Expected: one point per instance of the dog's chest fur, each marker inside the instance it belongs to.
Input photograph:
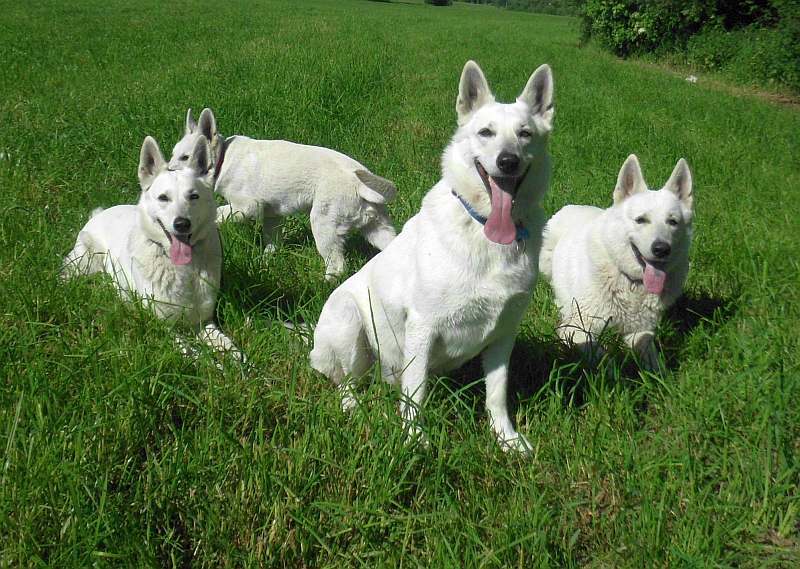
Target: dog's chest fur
(624, 303)
(473, 290)
(186, 292)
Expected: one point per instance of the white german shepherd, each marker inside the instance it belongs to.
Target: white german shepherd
(621, 267)
(165, 249)
(271, 179)
(456, 281)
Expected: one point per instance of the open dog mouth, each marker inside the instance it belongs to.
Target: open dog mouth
(180, 247)
(499, 226)
(654, 275)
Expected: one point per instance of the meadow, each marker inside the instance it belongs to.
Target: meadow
(117, 451)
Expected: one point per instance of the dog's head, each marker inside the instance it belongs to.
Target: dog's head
(177, 206)
(498, 145)
(657, 223)
(206, 127)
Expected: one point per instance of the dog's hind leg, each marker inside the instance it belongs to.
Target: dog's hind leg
(583, 340)
(329, 237)
(341, 350)
(83, 259)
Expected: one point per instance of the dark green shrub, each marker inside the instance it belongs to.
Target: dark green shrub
(439, 2)
(753, 55)
(758, 40)
(635, 26)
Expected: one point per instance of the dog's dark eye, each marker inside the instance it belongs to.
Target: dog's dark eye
(485, 132)
(525, 133)
(194, 196)
(163, 198)
(641, 219)
(184, 157)
(672, 222)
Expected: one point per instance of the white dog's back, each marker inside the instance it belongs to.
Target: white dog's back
(285, 176)
(568, 220)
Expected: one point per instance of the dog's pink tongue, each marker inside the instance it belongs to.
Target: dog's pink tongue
(499, 226)
(180, 253)
(653, 279)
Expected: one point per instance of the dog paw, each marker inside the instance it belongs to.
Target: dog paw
(417, 437)
(514, 442)
(269, 249)
(349, 403)
(649, 361)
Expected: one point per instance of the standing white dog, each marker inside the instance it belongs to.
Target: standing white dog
(624, 266)
(457, 280)
(271, 179)
(165, 249)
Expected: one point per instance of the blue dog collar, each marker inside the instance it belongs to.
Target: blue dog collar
(522, 232)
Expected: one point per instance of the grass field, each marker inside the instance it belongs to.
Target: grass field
(116, 451)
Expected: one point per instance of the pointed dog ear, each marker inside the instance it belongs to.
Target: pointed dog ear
(200, 161)
(190, 124)
(207, 125)
(151, 162)
(473, 91)
(538, 95)
(680, 183)
(630, 180)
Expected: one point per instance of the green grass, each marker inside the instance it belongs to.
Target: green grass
(117, 451)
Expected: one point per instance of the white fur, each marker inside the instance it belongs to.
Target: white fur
(271, 179)
(594, 272)
(441, 293)
(127, 242)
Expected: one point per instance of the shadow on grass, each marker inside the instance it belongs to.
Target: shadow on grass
(688, 313)
(283, 285)
(548, 364)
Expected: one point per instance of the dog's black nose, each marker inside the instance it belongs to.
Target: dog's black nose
(508, 163)
(661, 249)
(182, 225)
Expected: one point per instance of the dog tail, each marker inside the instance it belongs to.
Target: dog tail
(375, 189)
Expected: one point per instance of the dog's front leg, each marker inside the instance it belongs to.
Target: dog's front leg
(495, 364)
(419, 340)
(218, 341)
(270, 229)
(229, 213)
(643, 344)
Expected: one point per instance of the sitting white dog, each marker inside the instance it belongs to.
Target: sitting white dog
(166, 249)
(456, 281)
(271, 179)
(622, 267)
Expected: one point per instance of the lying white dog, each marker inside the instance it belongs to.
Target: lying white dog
(457, 280)
(165, 249)
(624, 266)
(270, 179)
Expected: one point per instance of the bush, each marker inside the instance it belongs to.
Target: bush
(761, 38)
(439, 2)
(752, 55)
